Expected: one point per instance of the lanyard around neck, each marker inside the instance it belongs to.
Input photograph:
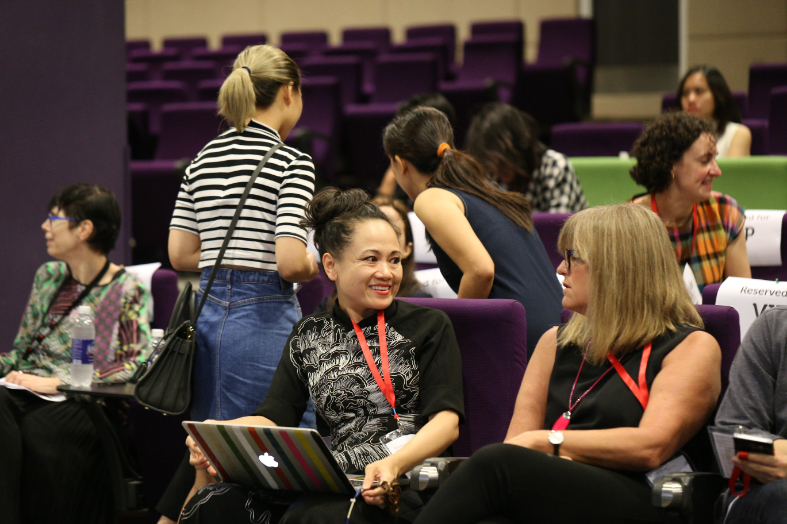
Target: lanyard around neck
(694, 221)
(384, 381)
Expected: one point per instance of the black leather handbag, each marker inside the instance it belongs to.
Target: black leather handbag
(165, 382)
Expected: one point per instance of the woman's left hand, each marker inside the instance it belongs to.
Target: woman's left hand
(381, 470)
(42, 385)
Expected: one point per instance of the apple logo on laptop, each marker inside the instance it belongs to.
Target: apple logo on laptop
(268, 460)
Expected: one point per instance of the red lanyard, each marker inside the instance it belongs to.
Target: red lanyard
(641, 391)
(736, 474)
(384, 381)
(694, 221)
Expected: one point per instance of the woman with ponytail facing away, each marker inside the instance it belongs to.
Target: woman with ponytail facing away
(482, 237)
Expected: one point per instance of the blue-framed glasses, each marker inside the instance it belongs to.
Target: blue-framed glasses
(55, 217)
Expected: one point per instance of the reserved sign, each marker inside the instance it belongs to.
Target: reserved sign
(434, 283)
(763, 230)
(751, 297)
(422, 251)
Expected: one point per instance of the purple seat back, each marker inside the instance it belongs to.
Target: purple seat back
(774, 272)
(777, 121)
(296, 51)
(154, 189)
(186, 45)
(511, 28)
(548, 226)
(400, 76)
(155, 94)
(548, 93)
(312, 293)
(669, 102)
(190, 73)
(244, 41)
(164, 290)
(133, 45)
(436, 46)
(490, 56)
(222, 58)
(346, 69)
(467, 97)
(379, 36)
(154, 59)
(186, 128)
(566, 39)
(492, 338)
(595, 138)
(367, 52)
(318, 130)
(759, 135)
(208, 90)
(447, 32)
(137, 72)
(763, 78)
(363, 131)
(723, 324)
(316, 41)
(709, 294)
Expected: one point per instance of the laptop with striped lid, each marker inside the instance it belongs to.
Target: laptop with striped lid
(292, 459)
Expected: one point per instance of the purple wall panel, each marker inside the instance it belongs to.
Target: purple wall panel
(62, 101)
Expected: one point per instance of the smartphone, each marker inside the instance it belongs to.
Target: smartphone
(752, 443)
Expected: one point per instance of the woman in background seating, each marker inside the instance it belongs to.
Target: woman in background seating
(482, 236)
(618, 390)
(703, 92)
(505, 141)
(52, 465)
(676, 162)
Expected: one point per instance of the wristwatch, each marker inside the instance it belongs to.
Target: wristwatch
(556, 439)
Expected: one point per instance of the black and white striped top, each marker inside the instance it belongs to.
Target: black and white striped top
(214, 183)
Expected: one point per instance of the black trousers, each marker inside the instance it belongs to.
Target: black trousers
(522, 485)
(52, 465)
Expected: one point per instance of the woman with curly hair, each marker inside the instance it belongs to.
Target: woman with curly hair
(676, 162)
(703, 92)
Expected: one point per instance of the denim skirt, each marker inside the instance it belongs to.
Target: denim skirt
(241, 334)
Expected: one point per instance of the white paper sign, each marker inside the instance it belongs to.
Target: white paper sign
(422, 251)
(144, 273)
(434, 283)
(57, 397)
(751, 297)
(763, 231)
(691, 285)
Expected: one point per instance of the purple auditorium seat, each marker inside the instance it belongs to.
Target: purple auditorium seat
(186, 128)
(777, 121)
(208, 90)
(346, 69)
(316, 41)
(763, 78)
(138, 128)
(400, 76)
(759, 135)
(379, 36)
(190, 73)
(362, 134)
(154, 59)
(669, 102)
(550, 94)
(244, 41)
(709, 293)
(186, 46)
(318, 130)
(445, 31)
(595, 138)
(492, 338)
(512, 28)
(467, 97)
(137, 72)
(548, 226)
(490, 56)
(312, 293)
(164, 290)
(436, 46)
(565, 41)
(723, 323)
(133, 45)
(222, 58)
(296, 51)
(154, 189)
(366, 52)
(155, 94)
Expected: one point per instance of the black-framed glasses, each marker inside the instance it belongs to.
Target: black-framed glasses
(570, 253)
(55, 217)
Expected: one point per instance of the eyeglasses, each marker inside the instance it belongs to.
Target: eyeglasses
(570, 253)
(55, 217)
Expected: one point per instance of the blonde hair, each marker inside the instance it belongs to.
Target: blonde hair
(635, 288)
(244, 91)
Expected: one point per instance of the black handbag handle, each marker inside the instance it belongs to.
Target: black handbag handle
(231, 230)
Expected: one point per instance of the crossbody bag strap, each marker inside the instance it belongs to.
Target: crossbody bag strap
(232, 229)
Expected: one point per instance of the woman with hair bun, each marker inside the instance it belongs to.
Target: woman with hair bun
(482, 236)
(704, 93)
(253, 306)
(327, 358)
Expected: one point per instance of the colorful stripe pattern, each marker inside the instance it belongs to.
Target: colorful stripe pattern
(303, 463)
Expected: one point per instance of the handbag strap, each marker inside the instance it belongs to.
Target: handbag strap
(232, 229)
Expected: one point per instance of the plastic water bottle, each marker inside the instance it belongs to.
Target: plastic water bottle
(83, 336)
(155, 339)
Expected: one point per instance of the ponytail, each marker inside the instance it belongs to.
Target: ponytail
(418, 134)
(257, 75)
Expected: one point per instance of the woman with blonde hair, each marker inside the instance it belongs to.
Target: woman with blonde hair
(252, 305)
(618, 390)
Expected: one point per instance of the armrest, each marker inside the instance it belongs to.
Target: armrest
(690, 496)
(433, 472)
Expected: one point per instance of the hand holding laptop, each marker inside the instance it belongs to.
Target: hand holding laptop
(197, 459)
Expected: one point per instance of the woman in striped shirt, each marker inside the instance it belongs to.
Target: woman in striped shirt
(252, 305)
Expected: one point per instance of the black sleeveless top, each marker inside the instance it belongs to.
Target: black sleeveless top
(523, 271)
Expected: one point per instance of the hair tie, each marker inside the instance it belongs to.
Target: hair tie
(442, 148)
(247, 69)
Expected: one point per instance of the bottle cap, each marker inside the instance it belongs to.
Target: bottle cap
(85, 310)
(157, 333)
